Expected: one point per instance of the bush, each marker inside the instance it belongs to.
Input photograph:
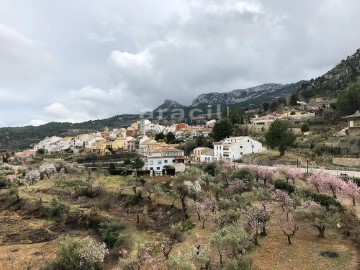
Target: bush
(179, 230)
(4, 183)
(244, 263)
(323, 199)
(211, 168)
(78, 254)
(280, 184)
(305, 127)
(134, 200)
(87, 190)
(110, 231)
(58, 209)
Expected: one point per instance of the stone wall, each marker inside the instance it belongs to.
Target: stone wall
(347, 162)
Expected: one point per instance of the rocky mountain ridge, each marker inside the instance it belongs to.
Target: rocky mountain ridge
(338, 79)
(252, 95)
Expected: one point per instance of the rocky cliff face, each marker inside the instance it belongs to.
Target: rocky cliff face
(253, 95)
(346, 73)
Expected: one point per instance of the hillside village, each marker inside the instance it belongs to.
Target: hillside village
(139, 138)
(275, 185)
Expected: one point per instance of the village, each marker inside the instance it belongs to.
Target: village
(157, 155)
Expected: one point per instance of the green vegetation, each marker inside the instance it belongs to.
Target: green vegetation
(283, 185)
(349, 101)
(280, 136)
(222, 129)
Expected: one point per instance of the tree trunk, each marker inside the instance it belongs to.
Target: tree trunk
(203, 224)
(198, 214)
(333, 190)
(183, 204)
(221, 259)
(289, 239)
(282, 150)
(263, 231)
(321, 230)
(255, 240)
(354, 201)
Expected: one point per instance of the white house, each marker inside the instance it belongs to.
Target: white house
(207, 155)
(233, 148)
(49, 144)
(157, 159)
(142, 124)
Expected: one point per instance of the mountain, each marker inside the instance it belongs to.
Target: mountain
(245, 97)
(16, 138)
(338, 79)
(329, 85)
(169, 105)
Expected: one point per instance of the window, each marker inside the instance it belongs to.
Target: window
(151, 168)
(241, 146)
(158, 168)
(248, 140)
(165, 161)
(159, 161)
(174, 160)
(151, 162)
(241, 153)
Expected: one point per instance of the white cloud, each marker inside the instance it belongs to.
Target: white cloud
(35, 122)
(135, 54)
(22, 59)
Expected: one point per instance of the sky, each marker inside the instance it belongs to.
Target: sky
(86, 59)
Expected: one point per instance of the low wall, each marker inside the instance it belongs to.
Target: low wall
(347, 162)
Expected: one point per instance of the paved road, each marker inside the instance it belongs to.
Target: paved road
(352, 174)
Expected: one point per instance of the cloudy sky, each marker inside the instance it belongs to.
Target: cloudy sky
(86, 59)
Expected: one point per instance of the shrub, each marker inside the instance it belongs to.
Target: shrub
(110, 231)
(179, 230)
(78, 254)
(211, 168)
(4, 183)
(280, 184)
(58, 208)
(323, 199)
(246, 175)
(244, 263)
(134, 200)
(88, 191)
(305, 127)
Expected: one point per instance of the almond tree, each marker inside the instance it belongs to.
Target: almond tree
(282, 198)
(288, 225)
(143, 258)
(290, 173)
(265, 173)
(238, 186)
(333, 182)
(166, 247)
(257, 218)
(32, 176)
(294, 174)
(317, 180)
(352, 190)
(204, 209)
(47, 169)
